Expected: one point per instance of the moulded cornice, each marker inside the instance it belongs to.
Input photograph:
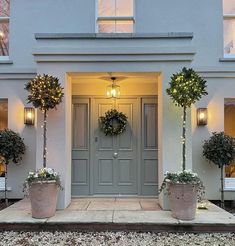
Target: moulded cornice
(168, 35)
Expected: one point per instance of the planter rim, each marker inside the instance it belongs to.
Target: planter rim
(170, 182)
(42, 182)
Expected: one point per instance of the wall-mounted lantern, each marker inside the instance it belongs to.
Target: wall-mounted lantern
(29, 115)
(202, 116)
(113, 90)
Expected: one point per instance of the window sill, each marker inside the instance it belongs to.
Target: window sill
(5, 60)
(229, 184)
(227, 59)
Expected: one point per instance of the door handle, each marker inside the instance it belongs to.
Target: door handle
(115, 155)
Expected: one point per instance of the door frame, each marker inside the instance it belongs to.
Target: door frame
(91, 100)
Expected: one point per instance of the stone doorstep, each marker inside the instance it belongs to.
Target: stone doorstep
(18, 217)
(97, 227)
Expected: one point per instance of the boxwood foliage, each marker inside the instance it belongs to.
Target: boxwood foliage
(219, 149)
(45, 92)
(12, 146)
(186, 88)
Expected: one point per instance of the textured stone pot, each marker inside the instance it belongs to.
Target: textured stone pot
(183, 201)
(43, 198)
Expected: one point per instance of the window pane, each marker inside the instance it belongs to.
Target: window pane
(229, 6)
(229, 128)
(124, 7)
(229, 36)
(3, 114)
(4, 39)
(124, 26)
(106, 7)
(4, 8)
(106, 26)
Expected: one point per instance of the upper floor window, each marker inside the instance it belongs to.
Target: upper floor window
(4, 27)
(229, 26)
(115, 16)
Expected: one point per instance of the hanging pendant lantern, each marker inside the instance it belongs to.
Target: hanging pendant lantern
(113, 90)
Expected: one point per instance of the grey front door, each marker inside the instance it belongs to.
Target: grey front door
(120, 165)
(115, 163)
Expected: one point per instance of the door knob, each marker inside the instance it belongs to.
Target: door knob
(115, 154)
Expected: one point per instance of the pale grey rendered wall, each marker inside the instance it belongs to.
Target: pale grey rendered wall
(203, 18)
(13, 90)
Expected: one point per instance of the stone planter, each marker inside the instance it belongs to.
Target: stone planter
(183, 201)
(43, 198)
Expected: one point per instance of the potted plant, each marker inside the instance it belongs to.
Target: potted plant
(219, 149)
(45, 93)
(186, 87)
(12, 148)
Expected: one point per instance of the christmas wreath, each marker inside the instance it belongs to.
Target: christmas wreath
(113, 123)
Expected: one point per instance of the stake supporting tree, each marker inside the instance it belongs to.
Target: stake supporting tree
(45, 93)
(186, 88)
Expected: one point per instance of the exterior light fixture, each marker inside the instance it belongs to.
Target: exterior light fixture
(113, 90)
(202, 116)
(29, 115)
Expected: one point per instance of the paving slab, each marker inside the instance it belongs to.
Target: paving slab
(211, 218)
(144, 217)
(136, 199)
(18, 216)
(117, 205)
(67, 216)
(105, 199)
(150, 206)
(21, 205)
(78, 205)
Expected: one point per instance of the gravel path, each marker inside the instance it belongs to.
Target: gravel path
(114, 238)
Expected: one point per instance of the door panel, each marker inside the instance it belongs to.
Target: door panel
(149, 177)
(80, 148)
(119, 150)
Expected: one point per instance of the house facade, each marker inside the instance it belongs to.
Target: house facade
(139, 44)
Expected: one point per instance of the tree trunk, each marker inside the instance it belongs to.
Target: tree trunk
(222, 186)
(184, 140)
(45, 139)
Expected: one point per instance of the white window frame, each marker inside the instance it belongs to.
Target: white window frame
(228, 17)
(4, 19)
(113, 18)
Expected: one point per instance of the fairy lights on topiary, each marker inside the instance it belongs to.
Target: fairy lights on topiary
(186, 88)
(45, 93)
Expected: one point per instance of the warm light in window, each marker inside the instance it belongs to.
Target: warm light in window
(1, 35)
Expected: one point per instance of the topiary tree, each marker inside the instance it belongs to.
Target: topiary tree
(45, 93)
(12, 148)
(219, 149)
(186, 88)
